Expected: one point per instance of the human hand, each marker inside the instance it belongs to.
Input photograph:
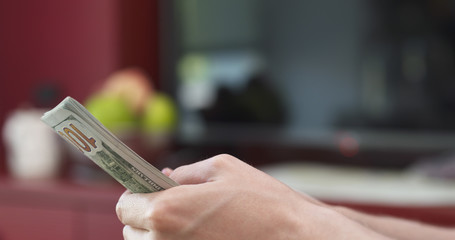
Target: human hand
(224, 198)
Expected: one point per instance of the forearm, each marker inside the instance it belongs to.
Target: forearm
(343, 227)
(398, 228)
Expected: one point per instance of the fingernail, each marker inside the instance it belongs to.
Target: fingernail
(166, 171)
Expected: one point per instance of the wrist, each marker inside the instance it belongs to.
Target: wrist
(353, 215)
(331, 222)
(347, 212)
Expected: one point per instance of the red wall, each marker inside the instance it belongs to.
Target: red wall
(73, 44)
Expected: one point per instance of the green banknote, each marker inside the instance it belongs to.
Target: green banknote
(82, 130)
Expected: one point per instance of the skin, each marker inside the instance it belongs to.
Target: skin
(398, 228)
(224, 198)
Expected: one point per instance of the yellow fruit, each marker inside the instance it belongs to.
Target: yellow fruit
(160, 114)
(113, 112)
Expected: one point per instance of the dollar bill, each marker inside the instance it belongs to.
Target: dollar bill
(72, 121)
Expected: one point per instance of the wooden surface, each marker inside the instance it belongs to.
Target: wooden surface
(58, 210)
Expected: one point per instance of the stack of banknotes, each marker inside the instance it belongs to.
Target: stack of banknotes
(72, 121)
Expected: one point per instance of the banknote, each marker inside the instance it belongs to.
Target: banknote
(73, 122)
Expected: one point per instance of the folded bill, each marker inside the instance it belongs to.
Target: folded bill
(79, 127)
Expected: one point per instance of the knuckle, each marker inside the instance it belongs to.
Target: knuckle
(126, 230)
(118, 210)
(222, 161)
(159, 216)
(179, 170)
(225, 156)
(120, 207)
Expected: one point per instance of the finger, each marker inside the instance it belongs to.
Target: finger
(167, 171)
(132, 209)
(137, 233)
(202, 171)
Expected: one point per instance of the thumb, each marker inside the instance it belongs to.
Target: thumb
(203, 171)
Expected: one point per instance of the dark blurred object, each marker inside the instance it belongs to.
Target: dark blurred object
(408, 79)
(257, 103)
(46, 95)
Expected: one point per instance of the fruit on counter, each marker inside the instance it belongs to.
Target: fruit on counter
(160, 114)
(127, 102)
(131, 84)
(112, 111)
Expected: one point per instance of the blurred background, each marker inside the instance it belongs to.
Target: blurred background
(352, 101)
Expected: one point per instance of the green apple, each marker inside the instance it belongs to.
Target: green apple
(160, 114)
(112, 111)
